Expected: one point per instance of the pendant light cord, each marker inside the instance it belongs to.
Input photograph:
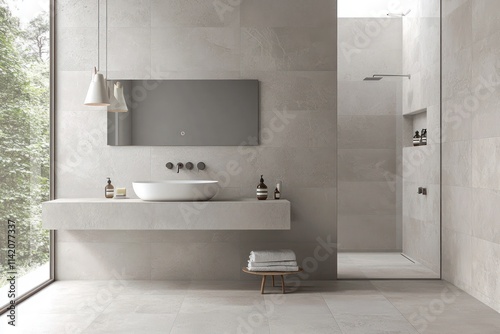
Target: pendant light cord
(106, 49)
(98, 34)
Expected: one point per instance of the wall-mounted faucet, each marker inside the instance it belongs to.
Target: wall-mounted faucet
(180, 165)
(189, 166)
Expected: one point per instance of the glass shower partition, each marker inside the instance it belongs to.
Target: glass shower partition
(388, 181)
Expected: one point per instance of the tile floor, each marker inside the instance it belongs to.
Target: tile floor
(348, 307)
(376, 265)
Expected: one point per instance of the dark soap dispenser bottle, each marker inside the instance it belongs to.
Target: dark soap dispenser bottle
(109, 190)
(262, 189)
(423, 137)
(277, 194)
(277, 191)
(416, 139)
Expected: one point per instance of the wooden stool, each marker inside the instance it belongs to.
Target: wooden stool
(264, 275)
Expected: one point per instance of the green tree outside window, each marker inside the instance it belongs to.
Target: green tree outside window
(24, 136)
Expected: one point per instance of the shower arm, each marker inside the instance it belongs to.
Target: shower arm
(392, 75)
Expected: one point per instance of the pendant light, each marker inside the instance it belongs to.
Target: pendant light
(97, 94)
(117, 98)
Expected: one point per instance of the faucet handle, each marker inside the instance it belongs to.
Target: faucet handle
(189, 165)
(180, 166)
(201, 166)
(169, 165)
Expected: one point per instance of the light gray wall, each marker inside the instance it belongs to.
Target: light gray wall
(289, 45)
(421, 165)
(368, 145)
(471, 148)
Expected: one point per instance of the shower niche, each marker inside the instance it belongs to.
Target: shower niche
(418, 124)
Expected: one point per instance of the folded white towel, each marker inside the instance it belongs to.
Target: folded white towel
(276, 268)
(272, 263)
(272, 255)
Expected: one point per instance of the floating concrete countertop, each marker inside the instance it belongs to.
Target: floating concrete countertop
(135, 214)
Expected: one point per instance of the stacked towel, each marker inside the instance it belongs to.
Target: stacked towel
(273, 260)
(272, 255)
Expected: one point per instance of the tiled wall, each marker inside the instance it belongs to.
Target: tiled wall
(289, 45)
(421, 165)
(368, 148)
(471, 148)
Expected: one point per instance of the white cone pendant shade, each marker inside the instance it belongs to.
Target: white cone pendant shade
(117, 99)
(97, 95)
(112, 100)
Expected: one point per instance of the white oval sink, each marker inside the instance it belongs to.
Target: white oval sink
(176, 190)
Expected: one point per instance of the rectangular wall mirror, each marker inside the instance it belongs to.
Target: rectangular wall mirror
(186, 113)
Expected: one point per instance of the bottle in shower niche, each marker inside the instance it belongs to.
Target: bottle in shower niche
(262, 189)
(423, 137)
(109, 190)
(416, 139)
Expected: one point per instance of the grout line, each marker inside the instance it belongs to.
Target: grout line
(179, 311)
(333, 316)
(407, 320)
(97, 316)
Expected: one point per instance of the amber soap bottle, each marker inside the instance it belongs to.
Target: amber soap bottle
(109, 190)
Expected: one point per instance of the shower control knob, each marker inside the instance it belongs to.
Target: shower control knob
(422, 191)
(169, 165)
(201, 166)
(189, 165)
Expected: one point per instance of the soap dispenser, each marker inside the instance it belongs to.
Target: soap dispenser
(109, 190)
(262, 189)
(416, 139)
(277, 191)
(423, 137)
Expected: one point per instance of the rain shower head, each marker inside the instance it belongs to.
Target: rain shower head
(377, 77)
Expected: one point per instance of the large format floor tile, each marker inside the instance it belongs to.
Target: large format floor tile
(220, 307)
(360, 305)
(217, 322)
(374, 324)
(137, 323)
(308, 323)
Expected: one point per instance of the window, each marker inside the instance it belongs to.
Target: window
(25, 137)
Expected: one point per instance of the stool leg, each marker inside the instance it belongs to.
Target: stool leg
(263, 283)
(282, 284)
(273, 280)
